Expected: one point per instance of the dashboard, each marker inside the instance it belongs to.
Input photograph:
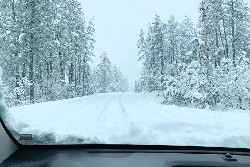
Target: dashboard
(120, 158)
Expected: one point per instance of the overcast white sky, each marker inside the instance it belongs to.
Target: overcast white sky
(118, 23)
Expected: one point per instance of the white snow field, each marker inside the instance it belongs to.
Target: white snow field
(129, 118)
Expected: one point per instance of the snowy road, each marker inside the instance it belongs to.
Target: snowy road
(129, 118)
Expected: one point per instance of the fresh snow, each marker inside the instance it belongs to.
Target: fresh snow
(129, 118)
(189, 53)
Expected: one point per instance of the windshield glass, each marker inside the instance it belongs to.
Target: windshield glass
(144, 72)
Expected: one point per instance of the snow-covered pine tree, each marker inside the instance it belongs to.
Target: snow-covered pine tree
(51, 48)
(152, 53)
(203, 67)
(103, 75)
(108, 78)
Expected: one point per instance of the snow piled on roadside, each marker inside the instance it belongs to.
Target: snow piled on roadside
(129, 118)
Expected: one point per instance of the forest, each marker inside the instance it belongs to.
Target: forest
(190, 77)
(204, 65)
(46, 48)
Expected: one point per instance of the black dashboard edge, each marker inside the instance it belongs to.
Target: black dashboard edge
(9, 133)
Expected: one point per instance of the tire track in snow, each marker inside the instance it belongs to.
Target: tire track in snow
(123, 110)
(103, 113)
(130, 123)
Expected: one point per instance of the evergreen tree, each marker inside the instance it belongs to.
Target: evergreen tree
(108, 78)
(51, 49)
(204, 67)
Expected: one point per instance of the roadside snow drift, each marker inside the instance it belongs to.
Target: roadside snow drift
(129, 118)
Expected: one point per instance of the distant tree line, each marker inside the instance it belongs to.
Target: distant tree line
(205, 65)
(108, 78)
(46, 47)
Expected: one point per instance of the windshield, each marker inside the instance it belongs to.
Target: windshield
(143, 72)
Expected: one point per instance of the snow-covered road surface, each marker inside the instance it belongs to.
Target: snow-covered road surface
(129, 118)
